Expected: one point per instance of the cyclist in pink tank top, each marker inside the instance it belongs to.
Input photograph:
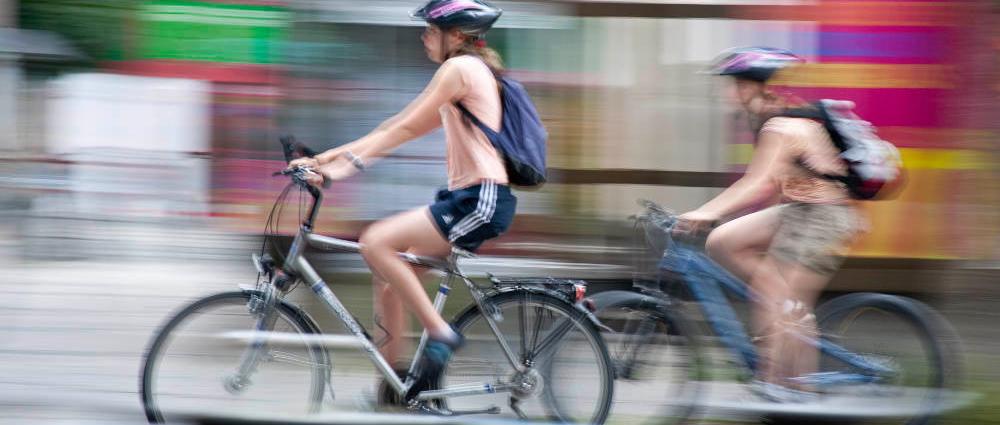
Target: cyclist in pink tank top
(478, 204)
(789, 251)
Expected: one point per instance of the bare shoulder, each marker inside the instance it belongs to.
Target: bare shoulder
(451, 75)
(785, 125)
(469, 65)
(464, 63)
(791, 129)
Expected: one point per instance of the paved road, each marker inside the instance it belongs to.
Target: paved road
(73, 334)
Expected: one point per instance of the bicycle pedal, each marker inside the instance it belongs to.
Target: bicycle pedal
(426, 409)
(492, 410)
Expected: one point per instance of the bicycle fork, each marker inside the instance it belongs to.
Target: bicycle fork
(263, 307)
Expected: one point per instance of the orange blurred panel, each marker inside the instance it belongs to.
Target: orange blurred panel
(866, 75)
(918, 223)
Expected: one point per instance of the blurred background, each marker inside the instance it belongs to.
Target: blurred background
(138, 138)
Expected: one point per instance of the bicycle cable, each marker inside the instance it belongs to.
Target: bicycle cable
(271, 225)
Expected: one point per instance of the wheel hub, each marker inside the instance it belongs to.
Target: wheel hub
(527, 384)
(235, 384)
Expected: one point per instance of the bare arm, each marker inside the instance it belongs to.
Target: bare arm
(418, 118)
(756, 185)
(334, 153)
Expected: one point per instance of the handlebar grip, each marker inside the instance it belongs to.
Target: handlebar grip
(290, 147)
(287, 147)
(305, 150)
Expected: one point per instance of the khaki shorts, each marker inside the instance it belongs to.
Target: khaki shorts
(814, 235)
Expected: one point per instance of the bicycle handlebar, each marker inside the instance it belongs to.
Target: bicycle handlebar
(290, 148)
(656, 214)
(665, 220)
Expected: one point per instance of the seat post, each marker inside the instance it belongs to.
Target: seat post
(456, 253)
(453, 258)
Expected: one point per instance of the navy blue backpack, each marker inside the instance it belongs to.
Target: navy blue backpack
(522, 136)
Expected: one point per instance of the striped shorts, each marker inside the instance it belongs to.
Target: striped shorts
(469, 216)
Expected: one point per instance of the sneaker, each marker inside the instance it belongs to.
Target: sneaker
(435, 356)
(781, 394)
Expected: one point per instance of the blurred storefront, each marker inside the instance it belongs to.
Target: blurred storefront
(616, 82)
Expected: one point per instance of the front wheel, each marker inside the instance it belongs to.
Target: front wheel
(657, 358)
(900, 359)
(210, 359)
(568, 375)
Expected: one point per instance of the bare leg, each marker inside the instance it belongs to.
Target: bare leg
(741, 246)
(389, 313)
(819, 232)
(411, 231)
(768, 318)
(802, 358)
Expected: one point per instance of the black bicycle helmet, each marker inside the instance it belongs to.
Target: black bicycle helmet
(472, 17)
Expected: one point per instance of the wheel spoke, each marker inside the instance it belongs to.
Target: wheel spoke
(539, 313)
(523, 322)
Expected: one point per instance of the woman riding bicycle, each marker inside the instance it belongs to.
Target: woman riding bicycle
(787, 252)
(478, 204)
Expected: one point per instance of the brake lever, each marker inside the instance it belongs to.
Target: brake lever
(304, 170)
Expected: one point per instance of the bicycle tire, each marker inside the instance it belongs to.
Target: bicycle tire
(651, 345)
(935, 340)
(156, 383)
(580, 348)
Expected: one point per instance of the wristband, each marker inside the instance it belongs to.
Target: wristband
(355, 160)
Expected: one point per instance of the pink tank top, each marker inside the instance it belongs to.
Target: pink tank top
(806, 140)
(470, 156)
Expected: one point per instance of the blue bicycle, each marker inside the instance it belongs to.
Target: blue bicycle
(882, 355)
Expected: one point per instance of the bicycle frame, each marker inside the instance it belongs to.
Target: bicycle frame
(708, 283)
(297, 265)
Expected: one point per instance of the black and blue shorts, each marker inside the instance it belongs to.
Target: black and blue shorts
(469, 216)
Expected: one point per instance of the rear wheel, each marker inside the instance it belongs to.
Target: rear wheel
(911, 344)
(568, 375)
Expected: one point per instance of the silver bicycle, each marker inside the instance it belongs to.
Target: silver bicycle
(530, 344)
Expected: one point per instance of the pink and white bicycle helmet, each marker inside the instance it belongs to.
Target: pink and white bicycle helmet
(753, 63)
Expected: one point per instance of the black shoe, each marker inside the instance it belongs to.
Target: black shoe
(435, 356)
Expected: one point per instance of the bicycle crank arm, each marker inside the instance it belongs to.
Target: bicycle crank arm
(515, 405)
(492, 410)
(464, 390)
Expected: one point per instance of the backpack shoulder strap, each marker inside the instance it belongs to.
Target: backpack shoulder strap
(810, 112)
(489, 132)
(472, 117)
(814, 112)
(468, 114)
